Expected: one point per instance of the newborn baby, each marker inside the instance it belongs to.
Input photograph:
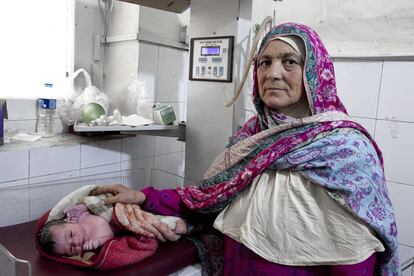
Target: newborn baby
(82, 231)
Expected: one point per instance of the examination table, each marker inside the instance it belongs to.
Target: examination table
(169, 257)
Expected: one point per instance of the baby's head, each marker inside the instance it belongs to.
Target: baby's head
(58, 237)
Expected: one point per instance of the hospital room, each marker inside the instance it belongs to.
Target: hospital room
(220, 137)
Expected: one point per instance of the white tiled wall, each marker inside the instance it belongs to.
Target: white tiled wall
(25, 119)
(397, 92)
(379, 95)
(33, 180)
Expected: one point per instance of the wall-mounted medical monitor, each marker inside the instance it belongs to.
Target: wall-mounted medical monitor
(211, 58)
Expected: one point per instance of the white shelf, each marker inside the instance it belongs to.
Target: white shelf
(153, 129)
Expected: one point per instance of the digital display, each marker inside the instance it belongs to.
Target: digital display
(210, 51)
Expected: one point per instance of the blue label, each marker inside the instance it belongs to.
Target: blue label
(47, 103)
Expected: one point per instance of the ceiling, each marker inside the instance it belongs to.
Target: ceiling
(177, 6)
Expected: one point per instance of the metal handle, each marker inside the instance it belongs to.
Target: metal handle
(20, 268)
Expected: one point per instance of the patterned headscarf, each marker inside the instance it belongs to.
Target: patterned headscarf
(327, 148)
(318, 75)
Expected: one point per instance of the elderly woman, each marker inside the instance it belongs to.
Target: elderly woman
(300, 189)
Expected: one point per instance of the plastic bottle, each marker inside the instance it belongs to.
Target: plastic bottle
(46, 120)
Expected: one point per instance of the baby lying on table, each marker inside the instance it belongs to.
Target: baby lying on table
(82, 231)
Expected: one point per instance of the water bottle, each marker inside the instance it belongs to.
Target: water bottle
(46, 120)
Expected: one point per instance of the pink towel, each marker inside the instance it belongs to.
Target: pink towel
(117, 252)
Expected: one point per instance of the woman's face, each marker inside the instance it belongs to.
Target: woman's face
(279, 74)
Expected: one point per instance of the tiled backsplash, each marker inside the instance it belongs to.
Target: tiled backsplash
(33, 180)
(379, 95)
(23, 115)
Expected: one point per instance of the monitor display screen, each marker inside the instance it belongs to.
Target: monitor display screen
(210, 51)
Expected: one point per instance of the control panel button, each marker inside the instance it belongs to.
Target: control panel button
(221, 71)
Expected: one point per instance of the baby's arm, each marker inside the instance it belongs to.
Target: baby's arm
(73, 213)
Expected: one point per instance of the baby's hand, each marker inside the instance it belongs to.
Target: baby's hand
(91, 245)
(73, 213)
(176, 224)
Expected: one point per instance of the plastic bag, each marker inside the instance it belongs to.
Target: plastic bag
(139, 100)
(91, 94)
(70, 111)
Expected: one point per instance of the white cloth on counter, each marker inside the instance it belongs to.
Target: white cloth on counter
(286, 219)
(135, 120)
(117, 120)
(14, 134)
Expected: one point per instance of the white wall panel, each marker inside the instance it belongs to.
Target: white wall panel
(98, 171)
(134, 179)
(406, 252)
(55, 178)
(137, 147)
(172, 75)
(397, 91)
(100, 153)
(21, 125)
(89, 22)
(396, 142)
(134, 167)
(162, 24)
(358, 85)
(148, 67)
(20, 109)
(14, 165)
(54, 160)
(102, 179)
(121, 63)
(353, 27)
(171, 163)
(14, 204)
(163, 180)
(166, 145)
(38, 204)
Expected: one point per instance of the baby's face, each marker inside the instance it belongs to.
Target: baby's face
(69, 239)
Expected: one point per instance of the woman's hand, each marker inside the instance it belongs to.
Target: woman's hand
(162, 231)
(143, 223)
(121, 194)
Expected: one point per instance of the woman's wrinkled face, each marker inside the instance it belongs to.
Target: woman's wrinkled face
(280, 76)
(69, 239)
